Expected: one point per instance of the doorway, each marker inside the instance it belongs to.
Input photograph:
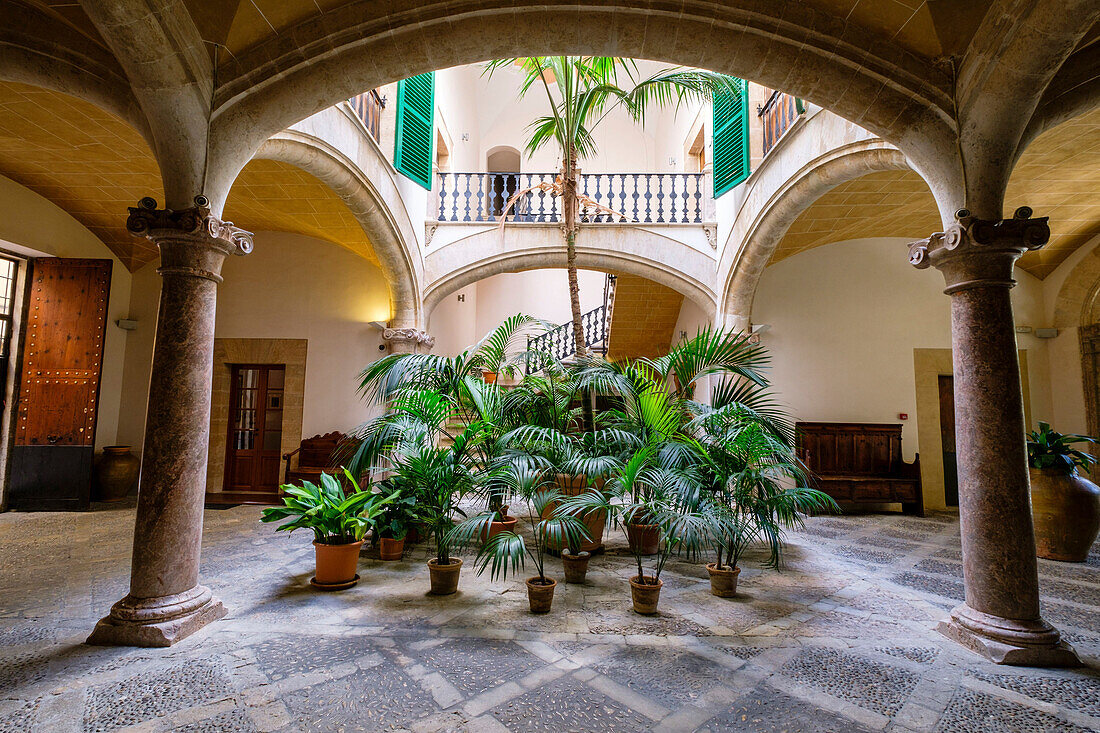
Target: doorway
(947, 440)
(502, 182)
(1090, 368)
(253, 456)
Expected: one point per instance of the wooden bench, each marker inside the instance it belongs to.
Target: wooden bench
(315, 457)
(860, 464)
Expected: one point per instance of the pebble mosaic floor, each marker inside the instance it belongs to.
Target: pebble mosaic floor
(841, 640)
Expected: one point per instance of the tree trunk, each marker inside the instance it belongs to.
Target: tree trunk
(569, 211)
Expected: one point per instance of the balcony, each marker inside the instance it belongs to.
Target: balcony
(368, 108)
(777, 115)
(635, 198)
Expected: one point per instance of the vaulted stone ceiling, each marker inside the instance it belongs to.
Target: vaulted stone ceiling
(1057, 176)
(93, 165)
(928, 28)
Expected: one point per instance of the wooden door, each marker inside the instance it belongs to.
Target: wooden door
(55, 415)
(253, 452)
(947, 440)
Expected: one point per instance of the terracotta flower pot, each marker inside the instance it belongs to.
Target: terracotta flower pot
(540, 595)
(444, 578)
(595, 521)
(645, 595)
(723, 581)
(336, 564)
(1066, 511)
(644, 539)
(115, 473)
(489, 377)
(508, 525)
(391, 549)
(576, 566)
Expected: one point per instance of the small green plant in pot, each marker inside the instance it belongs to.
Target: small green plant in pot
(393, 526)
(1065, 506)
(339, 520)
(509, 549)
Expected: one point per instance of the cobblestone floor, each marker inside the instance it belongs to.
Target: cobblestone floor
(842, 640)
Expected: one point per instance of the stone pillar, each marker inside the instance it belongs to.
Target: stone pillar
(1000, 618)
(166, 602)
(408, 340)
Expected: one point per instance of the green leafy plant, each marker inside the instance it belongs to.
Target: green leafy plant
(509, 549)
(336, 516)
(1047, 448)
(398, 516)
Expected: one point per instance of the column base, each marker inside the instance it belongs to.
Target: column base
(1009, 641)
(157, 622)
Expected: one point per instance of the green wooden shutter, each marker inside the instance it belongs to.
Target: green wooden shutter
(731, 138)
(412, 153)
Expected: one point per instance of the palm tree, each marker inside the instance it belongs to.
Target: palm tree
(580, 92)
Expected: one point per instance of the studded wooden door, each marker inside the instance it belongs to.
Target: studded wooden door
(55, 416)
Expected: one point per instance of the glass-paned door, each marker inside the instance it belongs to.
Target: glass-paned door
(253, 457)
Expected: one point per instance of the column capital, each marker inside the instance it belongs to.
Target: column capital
(980, 252)
(407, 340)
(193, 242)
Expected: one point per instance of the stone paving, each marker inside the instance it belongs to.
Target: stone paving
(841, 640)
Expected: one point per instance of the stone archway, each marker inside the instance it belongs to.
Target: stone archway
(764, 234)
(373, 202)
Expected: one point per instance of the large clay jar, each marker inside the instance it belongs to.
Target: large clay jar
(115, 473)
(1066, 511)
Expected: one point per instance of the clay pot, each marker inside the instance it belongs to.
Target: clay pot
(576, 566)
(645, 595)
(444, 578)
(495, 528)
(489, 377)
(390, 549)
(723, 582)
(644, 539)
(336, 564)
(1066, 511)
(115, 473)
(540, 595)
(595, 521)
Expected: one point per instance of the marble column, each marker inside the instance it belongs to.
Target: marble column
(1000, 618)
(407, 340)
(166, 602)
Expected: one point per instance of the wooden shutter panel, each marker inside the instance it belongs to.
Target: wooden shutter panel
(412, 153)
(731, 138)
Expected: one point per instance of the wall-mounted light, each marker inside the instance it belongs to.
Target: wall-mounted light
(127, 324)
(380, 325)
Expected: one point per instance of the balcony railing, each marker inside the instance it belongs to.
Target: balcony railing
(778, 114)
(368, 107)
(658, 198)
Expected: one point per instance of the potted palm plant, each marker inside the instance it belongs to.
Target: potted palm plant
(339, 520)
(1065, 506)
(509, 549)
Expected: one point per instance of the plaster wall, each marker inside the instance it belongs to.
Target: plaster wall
(845, 320)
(29, 221)
(540, 293)
(290, 287)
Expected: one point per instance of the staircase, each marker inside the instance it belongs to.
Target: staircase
(644, 320)
(596, 324)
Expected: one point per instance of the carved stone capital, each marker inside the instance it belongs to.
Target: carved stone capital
(980, 252)
(193, 242)
(407, 340)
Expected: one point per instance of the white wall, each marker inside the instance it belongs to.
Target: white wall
(29, 220)
(290, 287)
(539, 293)
(845, 319)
